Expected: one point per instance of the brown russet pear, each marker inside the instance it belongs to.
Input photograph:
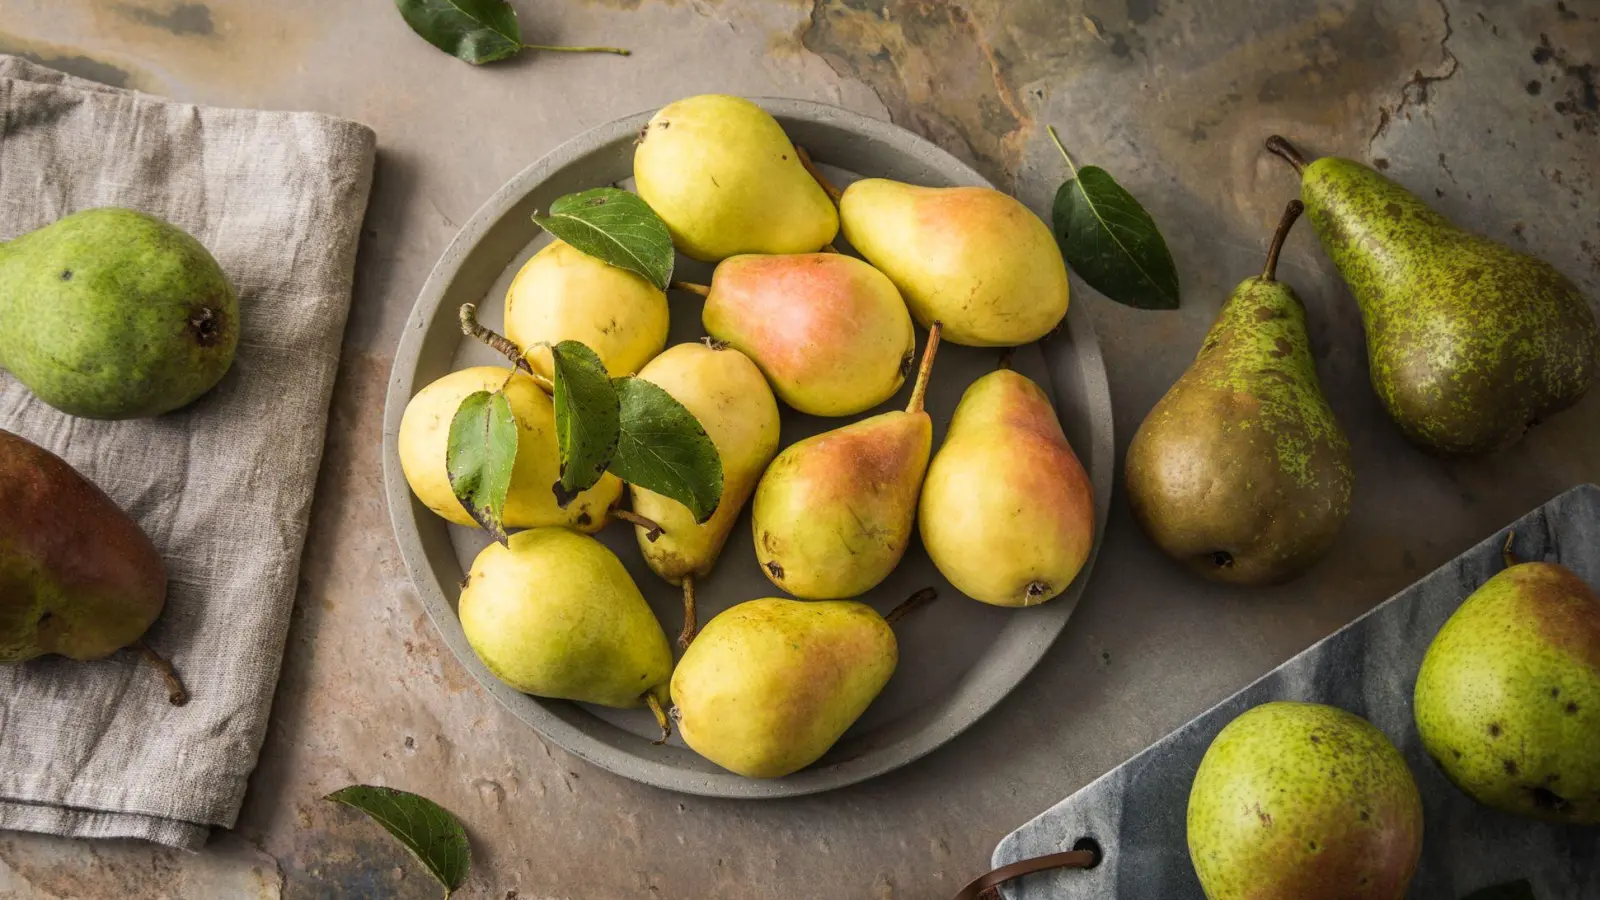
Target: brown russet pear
(771, 684)
(724, 390)
(973, 258)
(564, 294)
(833, 514)
(1469, 343)
(724, 177)
(1007, 512)
(1241, 472)
(830, 332)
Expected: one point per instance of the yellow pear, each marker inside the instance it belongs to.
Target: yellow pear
(1007, 512)
(554, 614)
(833, 514)
(564, 294)
(425, 440)
(722, 174)
(725, 391)
(829, 331)
(971, 257)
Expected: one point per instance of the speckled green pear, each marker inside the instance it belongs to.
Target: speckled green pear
(770, 685)
(1469, 343)
(555, 614)
(1508, 696)
(833, 514)
(1300, 801)
(113, 314)
(722, 174)
(1241, 472)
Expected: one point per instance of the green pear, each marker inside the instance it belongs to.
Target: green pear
(424, 444)
(724, 390)
(971, 257)
(722, 174)
(1469, 343)
(1241, 472)
(1007, 512)
(1300, 801)
(77, 576)
(564, 294)
(833, 514)
(555, 614)
(771, 684)
(829, 331)
(113, 314)
(1508, 696)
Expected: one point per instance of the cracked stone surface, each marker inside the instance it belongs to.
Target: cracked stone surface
(1487, 109)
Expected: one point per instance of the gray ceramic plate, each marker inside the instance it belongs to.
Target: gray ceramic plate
(958, 658)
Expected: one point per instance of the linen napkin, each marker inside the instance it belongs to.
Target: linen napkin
(223, 487)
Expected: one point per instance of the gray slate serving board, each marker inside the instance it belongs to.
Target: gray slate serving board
(1136, 811)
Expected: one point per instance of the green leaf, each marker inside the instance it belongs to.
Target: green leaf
(428, 830)
(1110, 241)
(615, 227)
(586, 418)
(481, 453)
(476, 31)
(664, 448)
(1513, 890)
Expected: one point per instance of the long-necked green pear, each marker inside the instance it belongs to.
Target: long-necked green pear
(1469, 343)
(1508, 696)
(564, 294)
(1007, 512)
(1241, 472)
(424, 443)
(724, 390)
(554, 613)
(770, 685)
(833, 514)
(830, 332)
(971, 257)
(1300, 801)
(724, 177)
(114, 314)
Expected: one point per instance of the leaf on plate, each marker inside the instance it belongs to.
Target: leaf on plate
(586, 418)
(1514, 890)
(480, 455)
(1111, 241)
(615, 227)
(664, 448)
(432, 834)
(475, 31)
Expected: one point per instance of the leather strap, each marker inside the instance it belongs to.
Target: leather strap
(1071, 859)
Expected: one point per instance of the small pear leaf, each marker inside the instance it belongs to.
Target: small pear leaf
(586, 418)
(474, 31)
(664, 448)
(615, 227)
(1111, 241)
(428, 830)
(481, 452)
(1513, 890)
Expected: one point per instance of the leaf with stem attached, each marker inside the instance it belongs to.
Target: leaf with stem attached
(1110, 240)
(663, 448)
(617, 228)
(479, 458)
(476, 31)
(586, 418)
(432, 834)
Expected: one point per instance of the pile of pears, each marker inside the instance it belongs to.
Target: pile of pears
(1004, 506)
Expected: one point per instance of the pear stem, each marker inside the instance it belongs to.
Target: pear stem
(829, 248)
(827, 186)
(1506, 553)
(620, 51)
(652, 531)
(691, 625)
(1056, 138)
(177, 694)
(911, 604)
(1269, 272)
(692, 288)
(1281, 147)
(500, 343)
(1005, 360)
(919, 392)
(661, 718)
